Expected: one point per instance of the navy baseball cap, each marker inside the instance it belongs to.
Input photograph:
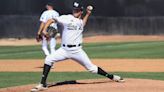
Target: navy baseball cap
(77, 6)
(50, 4)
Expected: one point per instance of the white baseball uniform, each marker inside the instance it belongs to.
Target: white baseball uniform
(71, 44)
(46, 15)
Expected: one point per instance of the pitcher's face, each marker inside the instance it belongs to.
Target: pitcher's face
(77, 13)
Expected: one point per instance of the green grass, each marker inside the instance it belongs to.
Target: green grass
(151, 50)
(8, 79)
(21, 52)
(127, 50)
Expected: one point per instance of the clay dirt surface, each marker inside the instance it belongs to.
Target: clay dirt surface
(96, 85)
(111, 65)
(99, 85)
(91, 39)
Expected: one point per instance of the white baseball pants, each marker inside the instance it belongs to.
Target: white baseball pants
(78, 55)
(45, 46)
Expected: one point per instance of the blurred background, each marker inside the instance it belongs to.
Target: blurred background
(20, 18)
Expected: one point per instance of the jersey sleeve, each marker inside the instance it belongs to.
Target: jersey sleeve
(81, 22)
(55, 15)
(43, 17)
(59, 19)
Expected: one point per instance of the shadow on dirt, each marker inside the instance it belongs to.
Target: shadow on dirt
(74, 82)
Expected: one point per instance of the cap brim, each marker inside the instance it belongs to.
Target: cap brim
(81, 9)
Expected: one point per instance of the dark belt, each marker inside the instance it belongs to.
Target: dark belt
(70, 46)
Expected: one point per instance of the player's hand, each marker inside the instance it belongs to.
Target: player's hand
(89, 9)
(39, 33)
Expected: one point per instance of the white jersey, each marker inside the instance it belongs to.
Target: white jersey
(72, 29)
(71, 36)
(49, 14)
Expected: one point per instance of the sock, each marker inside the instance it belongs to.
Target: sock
(46, 70)
(102, 72)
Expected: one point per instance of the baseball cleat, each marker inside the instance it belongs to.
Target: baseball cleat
(38, 88)
(118, 79)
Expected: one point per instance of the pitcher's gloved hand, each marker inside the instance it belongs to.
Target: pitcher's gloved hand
(52, 31)
(47, 37)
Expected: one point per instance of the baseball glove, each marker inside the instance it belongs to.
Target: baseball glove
(38, 38)
(52, 32)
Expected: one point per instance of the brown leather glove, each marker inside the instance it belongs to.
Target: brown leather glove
(38, 38)
(47, 37)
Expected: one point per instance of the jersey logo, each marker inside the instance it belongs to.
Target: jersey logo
(71, 20)
(72, 27)
(80, 28)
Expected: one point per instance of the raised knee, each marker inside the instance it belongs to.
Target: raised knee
(48, 60)
(93, 69)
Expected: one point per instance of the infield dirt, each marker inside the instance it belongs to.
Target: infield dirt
(99, 85)
(111, 65)
(92, 39)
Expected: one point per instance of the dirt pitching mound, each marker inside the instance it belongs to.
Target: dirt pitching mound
(101, 85)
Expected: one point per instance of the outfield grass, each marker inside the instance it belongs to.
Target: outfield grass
(8, 79)
(151, 50)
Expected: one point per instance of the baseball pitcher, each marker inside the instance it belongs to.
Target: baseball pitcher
(71, 45)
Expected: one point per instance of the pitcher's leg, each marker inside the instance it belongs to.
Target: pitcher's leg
(52, 45)
(45, 46)
(84, 60)
(59, 55)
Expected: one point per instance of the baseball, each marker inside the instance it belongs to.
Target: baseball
(90, 8)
